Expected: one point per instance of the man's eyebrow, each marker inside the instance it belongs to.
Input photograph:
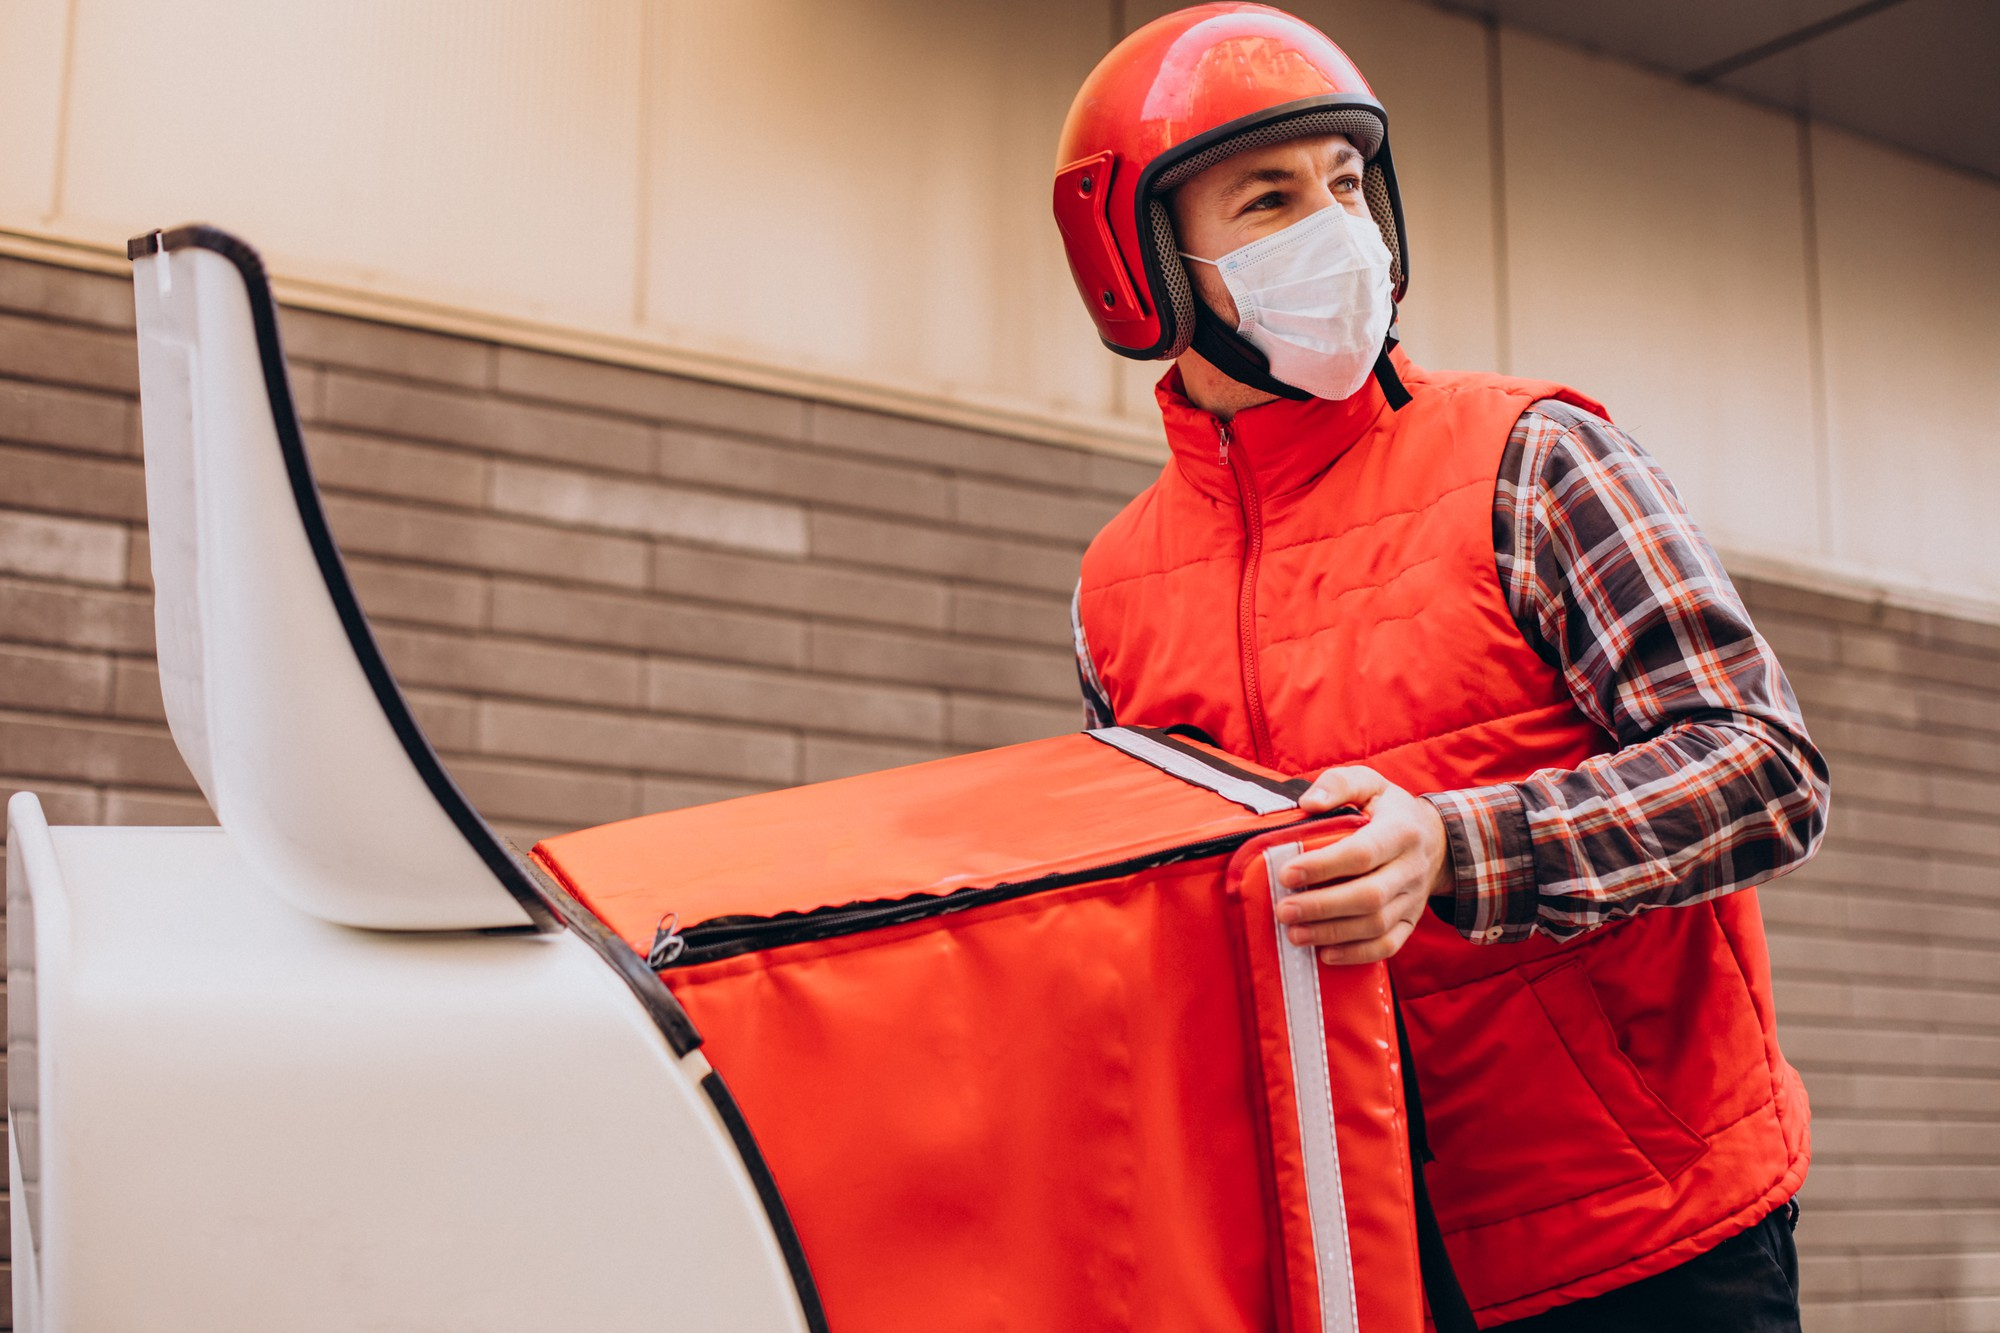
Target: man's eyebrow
(1259, 176)
(1283, 175)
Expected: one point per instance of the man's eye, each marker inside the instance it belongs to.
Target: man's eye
(1347, 184)
(1264, 202)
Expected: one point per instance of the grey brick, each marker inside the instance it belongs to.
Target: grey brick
(562, 495)
(76, 617)
(1842, 737)
(1905, 1182)
(1122, 477)
(449, 719)
(1034, 511)
(794, 585)
(68, 294)
(1867, 1092)
(139, 561)
(1848, 1045)
(1903, 1228)
(831, 757)
(1882, 960)
(400, 592)
(448, 417)
(546, 793)
(1845, 1139)
(485, 665)
(60, 682)
(936, 445)
(1039, 618)
(1798, 642)
(357, 344)
(884, 656)
(942, 551)
(135, 691)
(1870, 651)
(785, 698)
(636, 743)
(648, 394)
(1882, 915)
(62, 802)
(385, 528)
(656, 794)
(44, 546)
(612, 620)
(308, 391)
(1802, 998)
(34, 349)
(987, 722)
(72, 484)
(801, 473)
(91, 750)
(344, 461)
(1921, 833)
(67, 418)
(131, 805)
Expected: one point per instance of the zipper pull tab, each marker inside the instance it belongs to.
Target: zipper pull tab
(1222, 443)
(667, 942)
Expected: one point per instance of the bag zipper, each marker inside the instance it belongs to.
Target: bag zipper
(727, 936)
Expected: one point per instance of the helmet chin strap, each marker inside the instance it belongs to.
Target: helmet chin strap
(1232, 354)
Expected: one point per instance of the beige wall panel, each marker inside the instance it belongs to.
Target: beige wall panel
(1910, 289)
(31, 77)
(1657, 261)
(1429, 69)
(863, 189)
(476, 153)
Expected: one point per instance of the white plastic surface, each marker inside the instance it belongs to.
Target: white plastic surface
(263, 691)
(253, 1119)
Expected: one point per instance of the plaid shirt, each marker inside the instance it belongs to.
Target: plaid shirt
(1715, 785)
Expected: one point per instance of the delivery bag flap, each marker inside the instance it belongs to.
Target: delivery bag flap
(1024, 1045)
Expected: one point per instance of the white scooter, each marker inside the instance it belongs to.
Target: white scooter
(344, 1062)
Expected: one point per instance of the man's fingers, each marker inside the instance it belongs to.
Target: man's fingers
(1342, 786)
(1357, 854)
(1369, 951)
(1354, 898)
(1344, 930)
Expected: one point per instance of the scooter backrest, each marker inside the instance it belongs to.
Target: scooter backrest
(275, 690)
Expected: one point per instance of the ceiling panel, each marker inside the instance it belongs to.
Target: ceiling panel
(1919, 76)
(1913, 73)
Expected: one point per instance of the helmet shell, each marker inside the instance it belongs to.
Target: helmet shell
(1178, 95)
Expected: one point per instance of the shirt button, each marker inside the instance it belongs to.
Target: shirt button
(1491, 933)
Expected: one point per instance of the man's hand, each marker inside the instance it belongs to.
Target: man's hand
(1375, 883)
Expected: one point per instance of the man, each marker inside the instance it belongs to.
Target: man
(1478, 611)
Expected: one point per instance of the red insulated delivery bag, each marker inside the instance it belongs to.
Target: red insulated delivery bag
(1025, 1048)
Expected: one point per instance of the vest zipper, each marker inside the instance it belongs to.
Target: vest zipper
(1246, 597)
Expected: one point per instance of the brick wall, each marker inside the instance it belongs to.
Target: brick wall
(609, 591)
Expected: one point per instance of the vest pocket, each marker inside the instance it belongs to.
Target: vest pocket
(1585, 1031)
(1529, 1101)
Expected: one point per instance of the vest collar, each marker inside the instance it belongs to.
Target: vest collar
(1283, 444)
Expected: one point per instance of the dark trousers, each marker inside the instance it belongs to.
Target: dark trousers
(1747, 1284)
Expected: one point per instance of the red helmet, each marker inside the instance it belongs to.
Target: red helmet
(1172, 99)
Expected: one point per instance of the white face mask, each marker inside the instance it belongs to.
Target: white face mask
(1314, 299)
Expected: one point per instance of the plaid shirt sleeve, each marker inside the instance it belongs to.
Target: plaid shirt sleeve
(1715, 785)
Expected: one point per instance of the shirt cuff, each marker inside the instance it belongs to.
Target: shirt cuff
(1494, 898)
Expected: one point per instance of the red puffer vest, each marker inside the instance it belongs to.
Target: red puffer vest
(1314, 585)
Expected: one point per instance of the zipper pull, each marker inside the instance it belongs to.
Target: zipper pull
(1222, 443)
(667, 943)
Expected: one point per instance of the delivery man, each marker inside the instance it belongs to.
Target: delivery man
(1478, 610)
